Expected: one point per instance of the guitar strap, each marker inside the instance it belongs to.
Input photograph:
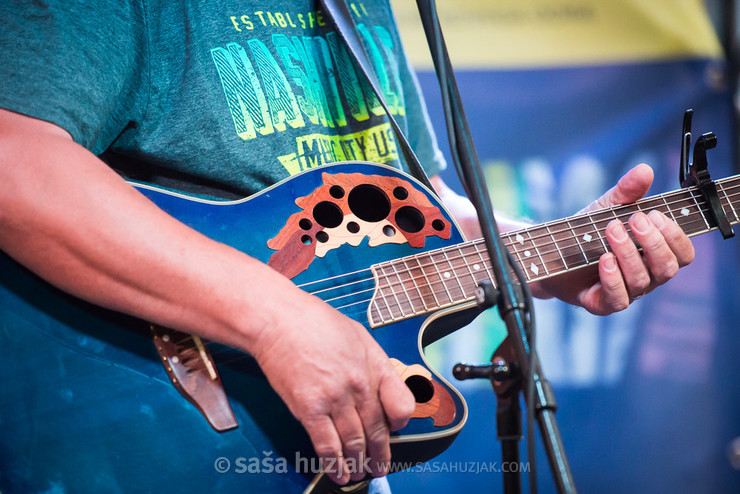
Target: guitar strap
(341, 16)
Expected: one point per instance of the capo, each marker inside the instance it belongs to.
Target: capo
(698, 174)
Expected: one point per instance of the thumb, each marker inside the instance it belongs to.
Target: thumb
(631, 187)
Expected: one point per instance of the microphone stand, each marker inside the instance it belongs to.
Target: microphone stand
(517, 366)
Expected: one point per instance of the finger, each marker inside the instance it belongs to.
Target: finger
(658, 255)
(676, 239)
(377, 434)
(631, 187)
(352, 434)
(397, 400)
(328, 447)
(634, 271)
(609, 294)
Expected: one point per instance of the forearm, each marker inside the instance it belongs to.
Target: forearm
(464, 212)
(66, 216)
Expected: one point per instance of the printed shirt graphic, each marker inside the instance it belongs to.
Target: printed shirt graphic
(222, 98)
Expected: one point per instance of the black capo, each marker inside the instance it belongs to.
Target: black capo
(698, 173)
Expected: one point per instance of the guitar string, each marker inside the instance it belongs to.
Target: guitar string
(414, 279)
(509, 241)
(570, 243)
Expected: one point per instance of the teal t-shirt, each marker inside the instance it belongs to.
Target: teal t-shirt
(218, 97)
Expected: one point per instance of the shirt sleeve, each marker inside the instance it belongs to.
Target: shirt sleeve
(80, 64)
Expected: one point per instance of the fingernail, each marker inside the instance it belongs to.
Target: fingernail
(618, 230)
(657, 218)
(640, 223)
(610, 263)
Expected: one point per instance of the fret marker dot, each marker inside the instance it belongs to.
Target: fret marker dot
(447, 274)
(534, 268)
(476, 267)
(527, 253)
(587, 237)
(519, 239)
(685, 212)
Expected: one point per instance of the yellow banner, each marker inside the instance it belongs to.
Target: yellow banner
(546, 33)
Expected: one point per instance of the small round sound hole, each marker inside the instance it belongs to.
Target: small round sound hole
(336, 192)
(328, 214)
(409, 219)
(421, 387)
(400, 193)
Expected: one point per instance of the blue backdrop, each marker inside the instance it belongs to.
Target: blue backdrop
(648, 397)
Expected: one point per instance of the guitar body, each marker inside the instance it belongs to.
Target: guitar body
(86, 403)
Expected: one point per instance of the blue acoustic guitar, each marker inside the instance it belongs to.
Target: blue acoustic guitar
(90, 396)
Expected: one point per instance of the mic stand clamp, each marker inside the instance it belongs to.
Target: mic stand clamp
(505, 377)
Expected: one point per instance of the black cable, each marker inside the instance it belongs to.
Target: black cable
(466, 162)
(530, 328)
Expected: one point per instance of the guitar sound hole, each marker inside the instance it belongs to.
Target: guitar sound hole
(336, 192)
(400, 193)
(410, 219)
(369, 203)
(328, 214)
(421, 387)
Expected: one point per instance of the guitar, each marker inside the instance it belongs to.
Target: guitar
(368, 239)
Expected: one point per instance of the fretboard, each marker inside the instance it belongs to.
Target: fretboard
(426, 282)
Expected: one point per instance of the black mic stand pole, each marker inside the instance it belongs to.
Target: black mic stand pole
(511, 308)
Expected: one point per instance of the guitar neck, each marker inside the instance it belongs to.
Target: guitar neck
(429, 281)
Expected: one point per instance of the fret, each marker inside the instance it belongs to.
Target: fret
(668, 208)
(588, 236)
(513, 240)
(476, 268)
(598, 233)
(377, 306)
(483, 261)
(395, 297)
(684, 203)
(698, 208)
(729, 202)
(441, 279)
(429, 283)
(529, 246)
(557, 247)
(467, 265)
(573, 233)
(454, 273)
(403, 287)
(412, 277)
(474, 271)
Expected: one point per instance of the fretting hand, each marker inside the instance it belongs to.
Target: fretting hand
(625, 274)
(622, 275)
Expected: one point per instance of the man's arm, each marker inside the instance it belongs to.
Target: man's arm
(68, 217)
(621, 275)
